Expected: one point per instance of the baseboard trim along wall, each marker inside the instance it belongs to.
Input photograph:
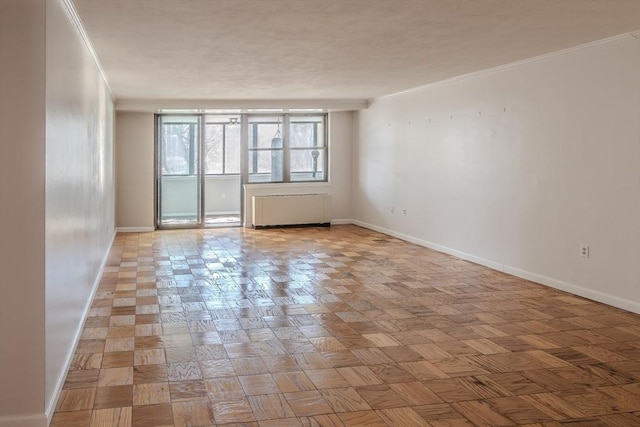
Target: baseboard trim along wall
(134, 229)
(341, 221)
(37, 420)
(629, 305)
(51, 407)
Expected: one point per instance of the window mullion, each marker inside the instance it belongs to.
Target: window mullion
(244, 147)
(286, 155)
(192, 154)
(224, 148)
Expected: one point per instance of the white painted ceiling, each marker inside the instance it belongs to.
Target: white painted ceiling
(328, 49)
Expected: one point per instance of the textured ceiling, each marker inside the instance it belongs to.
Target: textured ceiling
(328, 49)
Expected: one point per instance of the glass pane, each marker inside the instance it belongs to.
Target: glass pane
(213, 148)
(179, 197)
(307, 131)
(232, 149)
(176, 148)
(308, 165)
(265, 131)
(265, 166)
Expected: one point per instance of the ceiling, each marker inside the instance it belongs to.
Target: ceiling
(327, 49)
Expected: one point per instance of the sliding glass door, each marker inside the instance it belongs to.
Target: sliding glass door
(222, 178)
(198, 171)
(179, 171)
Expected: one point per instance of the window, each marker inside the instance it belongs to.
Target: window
(287, 148)
(221, 147)
(279, 147)
(178, 141)
(308, 148)
(266, 149)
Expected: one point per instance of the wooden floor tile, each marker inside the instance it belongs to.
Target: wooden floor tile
(327, 378)
(149, 357)
(232, 411)
(192, 413)
(82, 379)
(402, 417)
(112, 417)
(441, 413)
(362, 419)
(338, 326)
(289, 382)
(187, 390)
(150, 374)
(224, 388)
(216, 368)
(381, 396)
(346, 400)
(151, 393)
(554, 406)
(71, 419)
(76, 399)
(359, 376)
(481, 413)
(86, 361)
(270, 406)
(183, 371)
(258, 384)
(113, 397)
(518, 410)
(152, 415)
(307, 403)
(115, 376)
(118, 359)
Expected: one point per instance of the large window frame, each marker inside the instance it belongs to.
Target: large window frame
(283, 152)
(284, 157)
(318, 149)
(225, 147)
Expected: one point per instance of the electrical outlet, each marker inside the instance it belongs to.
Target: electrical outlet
(392, 210)
(584, 251)
(404, 212)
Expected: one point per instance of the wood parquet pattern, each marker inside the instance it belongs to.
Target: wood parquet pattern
(339, 326)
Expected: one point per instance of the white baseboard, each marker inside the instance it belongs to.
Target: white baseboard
(51, 406)
(431, 245)
(612, 300)
(625, 304)
(333, 222)
(31, 420)
(134, 229)
(341, 221)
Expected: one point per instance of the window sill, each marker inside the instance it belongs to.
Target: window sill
(274, 185)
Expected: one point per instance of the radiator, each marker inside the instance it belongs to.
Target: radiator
(297, 209)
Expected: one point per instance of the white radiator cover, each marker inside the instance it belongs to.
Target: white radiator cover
(295, 209)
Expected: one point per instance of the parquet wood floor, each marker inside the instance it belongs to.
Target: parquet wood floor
(339, 326)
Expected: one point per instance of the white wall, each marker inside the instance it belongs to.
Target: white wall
(57, 224)
(339, 185)
(135, 176)
(22, 212)
(516, 168)
(80, 188)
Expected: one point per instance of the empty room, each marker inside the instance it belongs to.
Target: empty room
(319, 213)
